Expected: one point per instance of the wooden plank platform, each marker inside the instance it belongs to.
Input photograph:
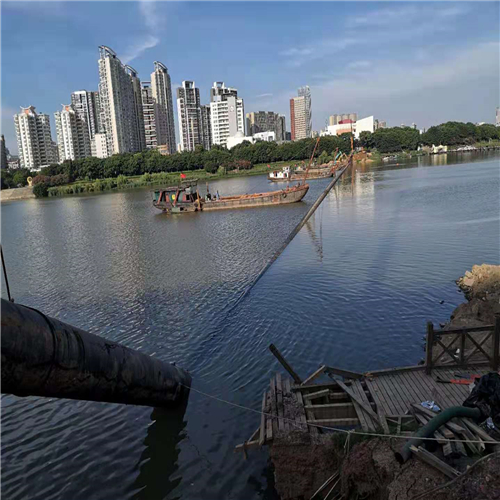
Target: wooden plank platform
(394, 391)
(372, 404)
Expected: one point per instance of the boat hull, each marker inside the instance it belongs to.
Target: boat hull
(282, 197)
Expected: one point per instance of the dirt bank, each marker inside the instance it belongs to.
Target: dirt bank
(371, 472)
(481, 286)
(16, 194)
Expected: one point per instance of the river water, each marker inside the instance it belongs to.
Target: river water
(353, 289)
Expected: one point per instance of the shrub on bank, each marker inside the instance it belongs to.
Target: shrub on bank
(41, 190)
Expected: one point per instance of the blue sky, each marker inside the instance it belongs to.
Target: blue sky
(403, 62)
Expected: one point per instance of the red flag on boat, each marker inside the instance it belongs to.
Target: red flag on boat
(183, 176)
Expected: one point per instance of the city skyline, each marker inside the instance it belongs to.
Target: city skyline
(417, 67)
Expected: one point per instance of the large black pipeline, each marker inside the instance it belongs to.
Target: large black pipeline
(42, 356)
(433, 425)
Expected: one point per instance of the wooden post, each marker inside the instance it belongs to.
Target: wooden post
(428, 353)
(462, 348)
(285, 364)
(495, 358)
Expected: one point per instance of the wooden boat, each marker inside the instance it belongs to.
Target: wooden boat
(185, 198)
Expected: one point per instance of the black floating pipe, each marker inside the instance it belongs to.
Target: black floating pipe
(42, 356)
(433, 425)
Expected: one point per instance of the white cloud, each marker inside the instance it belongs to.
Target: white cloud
(406, 15)
(261, 96)
(391, 88)
(359, 64)
(298, 56)
(154, 21)
(139, 48)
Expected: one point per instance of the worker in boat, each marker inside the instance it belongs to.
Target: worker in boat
(209, 196)
(218, 196)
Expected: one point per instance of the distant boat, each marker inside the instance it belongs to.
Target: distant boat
(186, 198)
(287, 174)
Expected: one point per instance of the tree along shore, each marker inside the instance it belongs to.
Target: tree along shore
(150, 167)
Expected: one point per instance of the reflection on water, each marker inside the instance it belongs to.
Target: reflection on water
(353, 289)
(158, 462)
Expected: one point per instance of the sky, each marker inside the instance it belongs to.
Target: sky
(403, 62)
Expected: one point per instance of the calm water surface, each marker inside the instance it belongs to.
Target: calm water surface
(353, 289)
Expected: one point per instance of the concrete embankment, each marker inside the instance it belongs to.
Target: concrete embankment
(16, 194)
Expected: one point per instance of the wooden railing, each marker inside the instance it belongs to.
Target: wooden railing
(480, 342)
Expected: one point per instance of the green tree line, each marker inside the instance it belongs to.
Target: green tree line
(385, 140)
(395, 139)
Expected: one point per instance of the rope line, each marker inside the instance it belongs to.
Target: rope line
(345, 431)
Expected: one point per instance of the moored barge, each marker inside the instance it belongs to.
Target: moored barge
(186, 198)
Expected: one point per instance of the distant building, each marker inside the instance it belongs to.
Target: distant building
(72, 132)
(364, 125)
(34, 140)
(288, 136)
(189, 116)
(264, 121)
(347, 126)
(336, 119)
(162, 93)
(206, 126)
(98, 146)
(120, 104)
(13, 162)
(380, 124)
(227, 113)
(87, 107)
(149, 115)
(268, 136)
(301, 114)
(497, 121)
(164, 150)
(138, 129)
(3, 153)
(238, 138)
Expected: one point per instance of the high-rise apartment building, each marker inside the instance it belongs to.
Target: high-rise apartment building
(34, 140)
(189, 116)
(227, 113)
(301, 114)
(497, 120)
(119, 104)
(149, 115)
(266, 121)
(138, 129)
(72, 132)
(162, 94)
(86, 105)
(206, 126)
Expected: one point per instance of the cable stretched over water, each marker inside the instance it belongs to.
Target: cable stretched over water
(229, 308)
(292, 235)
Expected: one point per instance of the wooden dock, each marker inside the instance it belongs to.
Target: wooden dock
(382, 401)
